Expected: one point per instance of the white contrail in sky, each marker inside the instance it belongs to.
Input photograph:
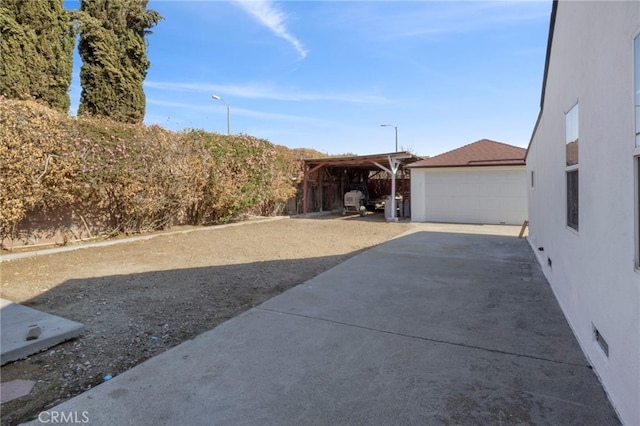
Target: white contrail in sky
(273, 18)
(257, 91)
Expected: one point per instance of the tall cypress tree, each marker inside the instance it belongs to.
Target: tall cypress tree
(114, 57)
(36, 51)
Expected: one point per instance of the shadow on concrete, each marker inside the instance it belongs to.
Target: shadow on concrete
(131, 318)
(427, 328)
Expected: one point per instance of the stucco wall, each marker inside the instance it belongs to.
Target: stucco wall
(488, 194)
(592, 271)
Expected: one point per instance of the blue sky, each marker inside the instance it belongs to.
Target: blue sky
(326, 74)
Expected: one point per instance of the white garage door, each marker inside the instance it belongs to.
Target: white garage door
(489, 195)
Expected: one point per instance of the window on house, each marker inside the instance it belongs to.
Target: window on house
(572, 199)
(571, 157)
(571, 139)
(636, 47)
(533, 179)
(637, 161)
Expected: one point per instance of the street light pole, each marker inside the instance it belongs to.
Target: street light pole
(218, 98)
(396, 129)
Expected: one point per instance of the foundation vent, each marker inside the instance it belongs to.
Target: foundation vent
(600, 341)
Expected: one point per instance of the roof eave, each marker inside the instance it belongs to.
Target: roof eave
(552, 24)
(440, 166)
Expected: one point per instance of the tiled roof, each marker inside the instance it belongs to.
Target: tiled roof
(480, 153)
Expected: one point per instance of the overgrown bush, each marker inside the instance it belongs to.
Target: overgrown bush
(36, 171)
(138, 177)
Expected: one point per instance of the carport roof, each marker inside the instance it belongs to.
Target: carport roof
(367, 162)
(484, 152)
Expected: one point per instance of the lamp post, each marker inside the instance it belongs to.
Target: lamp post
(396, 128)
(218, 98)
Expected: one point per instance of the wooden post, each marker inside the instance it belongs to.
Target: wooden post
(320, 191)
(307, 172)
(304, 189)
(524, 226)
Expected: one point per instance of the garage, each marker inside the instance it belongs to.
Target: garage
(483, 182)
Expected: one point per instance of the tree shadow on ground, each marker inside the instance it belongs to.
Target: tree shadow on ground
(131, 318)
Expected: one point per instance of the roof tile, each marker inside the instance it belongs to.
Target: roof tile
(484, 152)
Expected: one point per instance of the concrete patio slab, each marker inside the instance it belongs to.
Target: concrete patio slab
(16, 321)
(429, 328)
(474, 290)
(15, 389)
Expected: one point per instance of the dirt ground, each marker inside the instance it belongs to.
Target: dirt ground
(138, 299)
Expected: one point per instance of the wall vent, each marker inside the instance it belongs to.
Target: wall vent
(600, 340)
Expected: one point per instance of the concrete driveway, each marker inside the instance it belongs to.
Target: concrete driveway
(443, 325)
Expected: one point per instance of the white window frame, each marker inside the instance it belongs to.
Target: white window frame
(636, 85)
(636, 153)
(532, 179)
(569, 168)
(636, 174)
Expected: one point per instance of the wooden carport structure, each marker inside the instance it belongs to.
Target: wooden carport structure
(342, 173)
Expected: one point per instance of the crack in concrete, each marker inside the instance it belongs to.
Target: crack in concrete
(427, 339)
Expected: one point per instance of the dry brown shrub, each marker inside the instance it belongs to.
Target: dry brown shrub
(37, 170)
(138, 177)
